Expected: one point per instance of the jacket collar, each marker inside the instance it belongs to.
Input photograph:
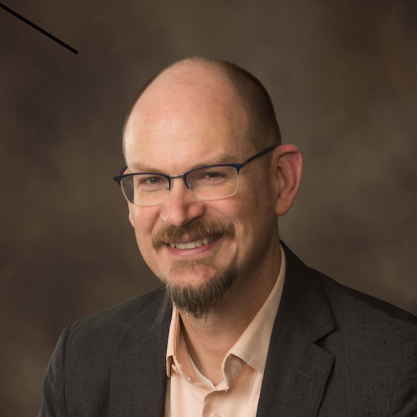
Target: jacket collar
(304, 306)
(297, 369)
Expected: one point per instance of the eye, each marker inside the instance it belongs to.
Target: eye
(152, 180)
(150, 183)
(210, 177)
(214, 175)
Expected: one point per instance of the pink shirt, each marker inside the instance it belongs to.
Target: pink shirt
(190, 394)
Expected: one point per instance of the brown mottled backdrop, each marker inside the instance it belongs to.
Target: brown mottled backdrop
(342, 75)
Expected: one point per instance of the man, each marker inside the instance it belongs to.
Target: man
(240, 327)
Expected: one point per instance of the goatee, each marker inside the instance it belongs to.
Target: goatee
(197, 301)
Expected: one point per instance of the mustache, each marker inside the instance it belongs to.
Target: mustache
(196, 230)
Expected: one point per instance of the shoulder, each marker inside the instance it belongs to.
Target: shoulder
(348, 307)
(116, 326)
(365, 308)
(78, 374)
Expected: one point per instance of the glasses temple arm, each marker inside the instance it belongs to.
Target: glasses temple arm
(122, 171)
(260, 154)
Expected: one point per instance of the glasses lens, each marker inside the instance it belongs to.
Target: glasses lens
(213, 183)
(145, 189)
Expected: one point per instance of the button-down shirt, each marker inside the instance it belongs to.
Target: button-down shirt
(190, 394)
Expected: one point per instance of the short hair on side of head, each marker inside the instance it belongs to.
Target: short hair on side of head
(263, 128)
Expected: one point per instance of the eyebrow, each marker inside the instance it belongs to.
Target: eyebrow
(138, 167)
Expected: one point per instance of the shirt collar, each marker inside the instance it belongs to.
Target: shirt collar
(173, 339)
(252, 346)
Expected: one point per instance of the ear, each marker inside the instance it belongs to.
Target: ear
(131, 217)
(287, 166)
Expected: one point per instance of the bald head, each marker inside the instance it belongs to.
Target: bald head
(201, 83)
(185, 88)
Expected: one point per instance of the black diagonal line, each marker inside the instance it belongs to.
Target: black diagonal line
(38, 28)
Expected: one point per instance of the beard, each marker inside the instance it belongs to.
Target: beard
(197, 301)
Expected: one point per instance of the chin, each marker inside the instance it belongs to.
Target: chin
(190, 275)
(198, 299)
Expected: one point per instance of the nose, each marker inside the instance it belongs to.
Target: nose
(181, 206)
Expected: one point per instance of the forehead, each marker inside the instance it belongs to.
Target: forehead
(180, 123)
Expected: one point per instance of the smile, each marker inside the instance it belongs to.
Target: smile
(195, 244)
(197, 247)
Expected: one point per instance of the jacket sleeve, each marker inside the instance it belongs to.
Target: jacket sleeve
(404, 396)
(53, 401)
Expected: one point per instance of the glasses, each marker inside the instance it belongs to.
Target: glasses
(212, 182)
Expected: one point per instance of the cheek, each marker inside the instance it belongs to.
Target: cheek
(255, 211)
(145, 219)
(241, 211)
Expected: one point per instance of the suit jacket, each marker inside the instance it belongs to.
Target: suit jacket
(333, 352)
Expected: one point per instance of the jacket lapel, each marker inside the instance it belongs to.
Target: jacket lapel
(297, 369)
(138, 376)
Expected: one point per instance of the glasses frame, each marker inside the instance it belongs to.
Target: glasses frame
(119, 177)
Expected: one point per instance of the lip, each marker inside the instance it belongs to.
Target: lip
(191, 252)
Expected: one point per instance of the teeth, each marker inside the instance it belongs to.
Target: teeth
(192, 245)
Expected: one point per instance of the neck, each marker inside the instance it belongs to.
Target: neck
(226, 323)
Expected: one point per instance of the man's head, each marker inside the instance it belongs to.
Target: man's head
(194, 114)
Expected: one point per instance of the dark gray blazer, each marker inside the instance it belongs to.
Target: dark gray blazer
(334, 352)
